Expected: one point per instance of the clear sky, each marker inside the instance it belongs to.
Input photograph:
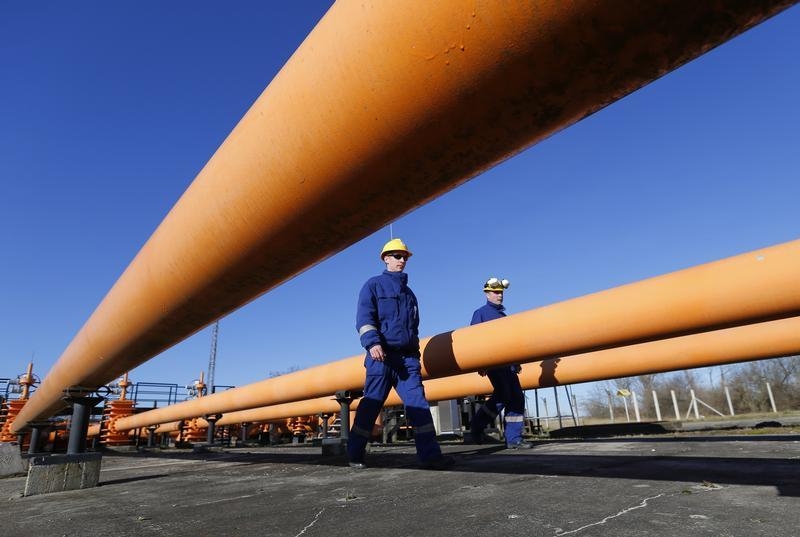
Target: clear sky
(109, 109)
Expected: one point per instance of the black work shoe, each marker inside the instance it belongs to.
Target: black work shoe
(472, 440)
(522, 444)
(441, 462)
(357, 465)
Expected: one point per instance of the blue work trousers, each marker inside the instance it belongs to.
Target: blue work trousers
(402, 373)
(507, 395)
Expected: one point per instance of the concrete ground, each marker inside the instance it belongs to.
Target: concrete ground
(714, 484)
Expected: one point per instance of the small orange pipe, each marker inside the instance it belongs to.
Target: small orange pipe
(27, 381)
(382, 108)
(124, 384)
(171, 427)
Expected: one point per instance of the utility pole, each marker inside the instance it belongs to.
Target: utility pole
(212, 359)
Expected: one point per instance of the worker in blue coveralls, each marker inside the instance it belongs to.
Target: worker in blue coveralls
(508, 394)
(387, 321)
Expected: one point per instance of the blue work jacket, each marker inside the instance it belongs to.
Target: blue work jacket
(490, 312)
(388, 314)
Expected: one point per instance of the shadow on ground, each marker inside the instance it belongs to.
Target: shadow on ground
(665, 459)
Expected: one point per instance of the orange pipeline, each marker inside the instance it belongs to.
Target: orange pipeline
(397, 104)
(736, 290)
(751, 342)
(758, 341)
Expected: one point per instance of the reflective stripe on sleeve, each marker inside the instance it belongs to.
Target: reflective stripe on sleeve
(513, 419)
(366, 328)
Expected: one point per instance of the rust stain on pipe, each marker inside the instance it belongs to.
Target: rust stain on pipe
(747, 288)
(410, 104)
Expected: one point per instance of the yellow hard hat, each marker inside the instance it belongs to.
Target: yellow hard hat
(395, 245)
(496, 284)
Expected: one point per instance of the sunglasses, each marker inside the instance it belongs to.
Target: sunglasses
(399, 256)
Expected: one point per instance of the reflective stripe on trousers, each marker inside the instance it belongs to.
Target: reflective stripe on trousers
(507, 394)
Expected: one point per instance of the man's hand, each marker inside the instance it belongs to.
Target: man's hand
(377, 353)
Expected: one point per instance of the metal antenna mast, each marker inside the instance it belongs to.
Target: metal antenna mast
(212, 359)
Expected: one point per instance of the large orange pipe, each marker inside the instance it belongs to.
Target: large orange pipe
(750, 342)
(384, 106)
(738, 290)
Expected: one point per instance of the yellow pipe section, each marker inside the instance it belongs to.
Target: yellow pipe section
(743, 289)
(385, 106)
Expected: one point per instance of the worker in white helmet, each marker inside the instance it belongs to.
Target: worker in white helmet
(508, 394)
(387, 321)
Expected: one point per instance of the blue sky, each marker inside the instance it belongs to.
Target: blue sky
(109, 109)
